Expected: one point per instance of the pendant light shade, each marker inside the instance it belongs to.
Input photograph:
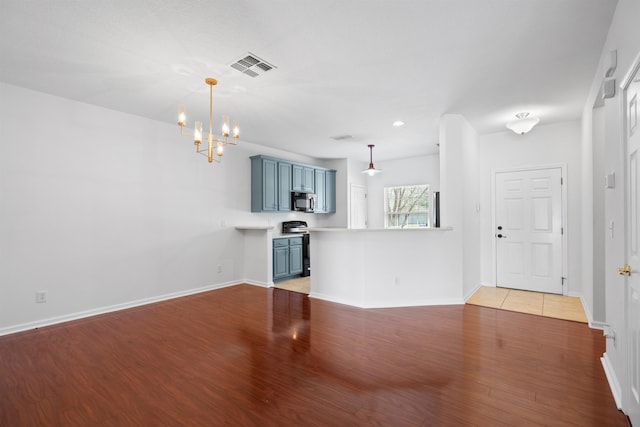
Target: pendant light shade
(371, 170)
(523, 123)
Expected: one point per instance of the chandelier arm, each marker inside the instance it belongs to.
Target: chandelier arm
(185, 133)
(205, 152)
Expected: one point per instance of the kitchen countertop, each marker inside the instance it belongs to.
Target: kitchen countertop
(255, 227)
(379, 229)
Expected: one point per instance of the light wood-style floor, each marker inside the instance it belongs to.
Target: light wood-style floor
(548, 305)
(299, 284)
(250, 356)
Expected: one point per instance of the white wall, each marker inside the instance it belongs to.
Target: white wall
(545, 144)
(459, 189)
(409, 171)
(103, 209)
(624, 36)
(598, 238)
(366, 270)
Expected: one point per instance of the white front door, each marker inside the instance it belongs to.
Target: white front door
(529, 229)
(632, 95)
(358, 211)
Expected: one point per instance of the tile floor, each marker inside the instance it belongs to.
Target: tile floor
(549, 305)
(299, 284)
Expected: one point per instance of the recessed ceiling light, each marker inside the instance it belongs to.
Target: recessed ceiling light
(398, 123)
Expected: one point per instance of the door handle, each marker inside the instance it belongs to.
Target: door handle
(625, 271)
(501, 236)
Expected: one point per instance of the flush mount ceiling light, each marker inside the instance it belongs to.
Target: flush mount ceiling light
(398, 123)
(371, 170)
(523, 123)
(215, 145)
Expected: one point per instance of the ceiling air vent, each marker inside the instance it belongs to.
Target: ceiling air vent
(252, 65)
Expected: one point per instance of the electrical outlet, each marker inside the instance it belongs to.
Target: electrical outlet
(41, 296)
(219, 269)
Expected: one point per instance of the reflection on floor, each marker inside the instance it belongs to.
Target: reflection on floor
(299, 284)
(549, 305)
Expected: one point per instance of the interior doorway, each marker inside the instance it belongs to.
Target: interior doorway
(529, 229)
(358, 206)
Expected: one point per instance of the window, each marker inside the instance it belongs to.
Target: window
(406, 206)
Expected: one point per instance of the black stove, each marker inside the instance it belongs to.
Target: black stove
(295, 227)
(300, 227)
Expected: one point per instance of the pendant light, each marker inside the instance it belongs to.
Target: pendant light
(371, 170)
(523, 123)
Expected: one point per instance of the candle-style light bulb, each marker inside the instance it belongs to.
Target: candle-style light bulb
(236, 129)
(197, 133)
(225, 126)
(182, 115)
(220, 150)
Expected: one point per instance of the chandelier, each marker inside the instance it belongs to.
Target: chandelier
(215, 145)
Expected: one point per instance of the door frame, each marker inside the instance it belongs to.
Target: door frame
(626, 81)
(563, 204)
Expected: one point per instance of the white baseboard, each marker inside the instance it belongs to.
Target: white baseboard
(258, 283)
(398, 304)
(102, 310)
(473, 291)
(614, 384)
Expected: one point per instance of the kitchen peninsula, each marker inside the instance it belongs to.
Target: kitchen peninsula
(386, 267)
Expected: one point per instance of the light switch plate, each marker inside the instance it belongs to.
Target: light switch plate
(610, 180)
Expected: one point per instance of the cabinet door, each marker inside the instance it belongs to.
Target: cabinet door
(297, 178)
(280, 262)
(284, 186)
(295, 259)
(302, 178)
(308, 180)
(269, 185)
(320, 191)
(330, 192)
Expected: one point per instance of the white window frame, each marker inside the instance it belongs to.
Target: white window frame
(426, 212)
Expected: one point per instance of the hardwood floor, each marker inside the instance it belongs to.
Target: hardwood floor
(249, 356)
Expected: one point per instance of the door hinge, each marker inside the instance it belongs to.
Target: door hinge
(562, 231)
(562, 279)
(561, 180)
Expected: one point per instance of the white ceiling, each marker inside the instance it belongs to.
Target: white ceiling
(343, 67)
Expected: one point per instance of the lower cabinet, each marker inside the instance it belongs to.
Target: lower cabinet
(287, 258)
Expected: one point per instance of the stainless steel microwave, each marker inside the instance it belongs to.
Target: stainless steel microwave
(303, 202)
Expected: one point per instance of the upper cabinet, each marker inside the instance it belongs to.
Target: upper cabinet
(325, 180)
(270, 185)
(302, 178)
(330, 191)
(273, 180)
